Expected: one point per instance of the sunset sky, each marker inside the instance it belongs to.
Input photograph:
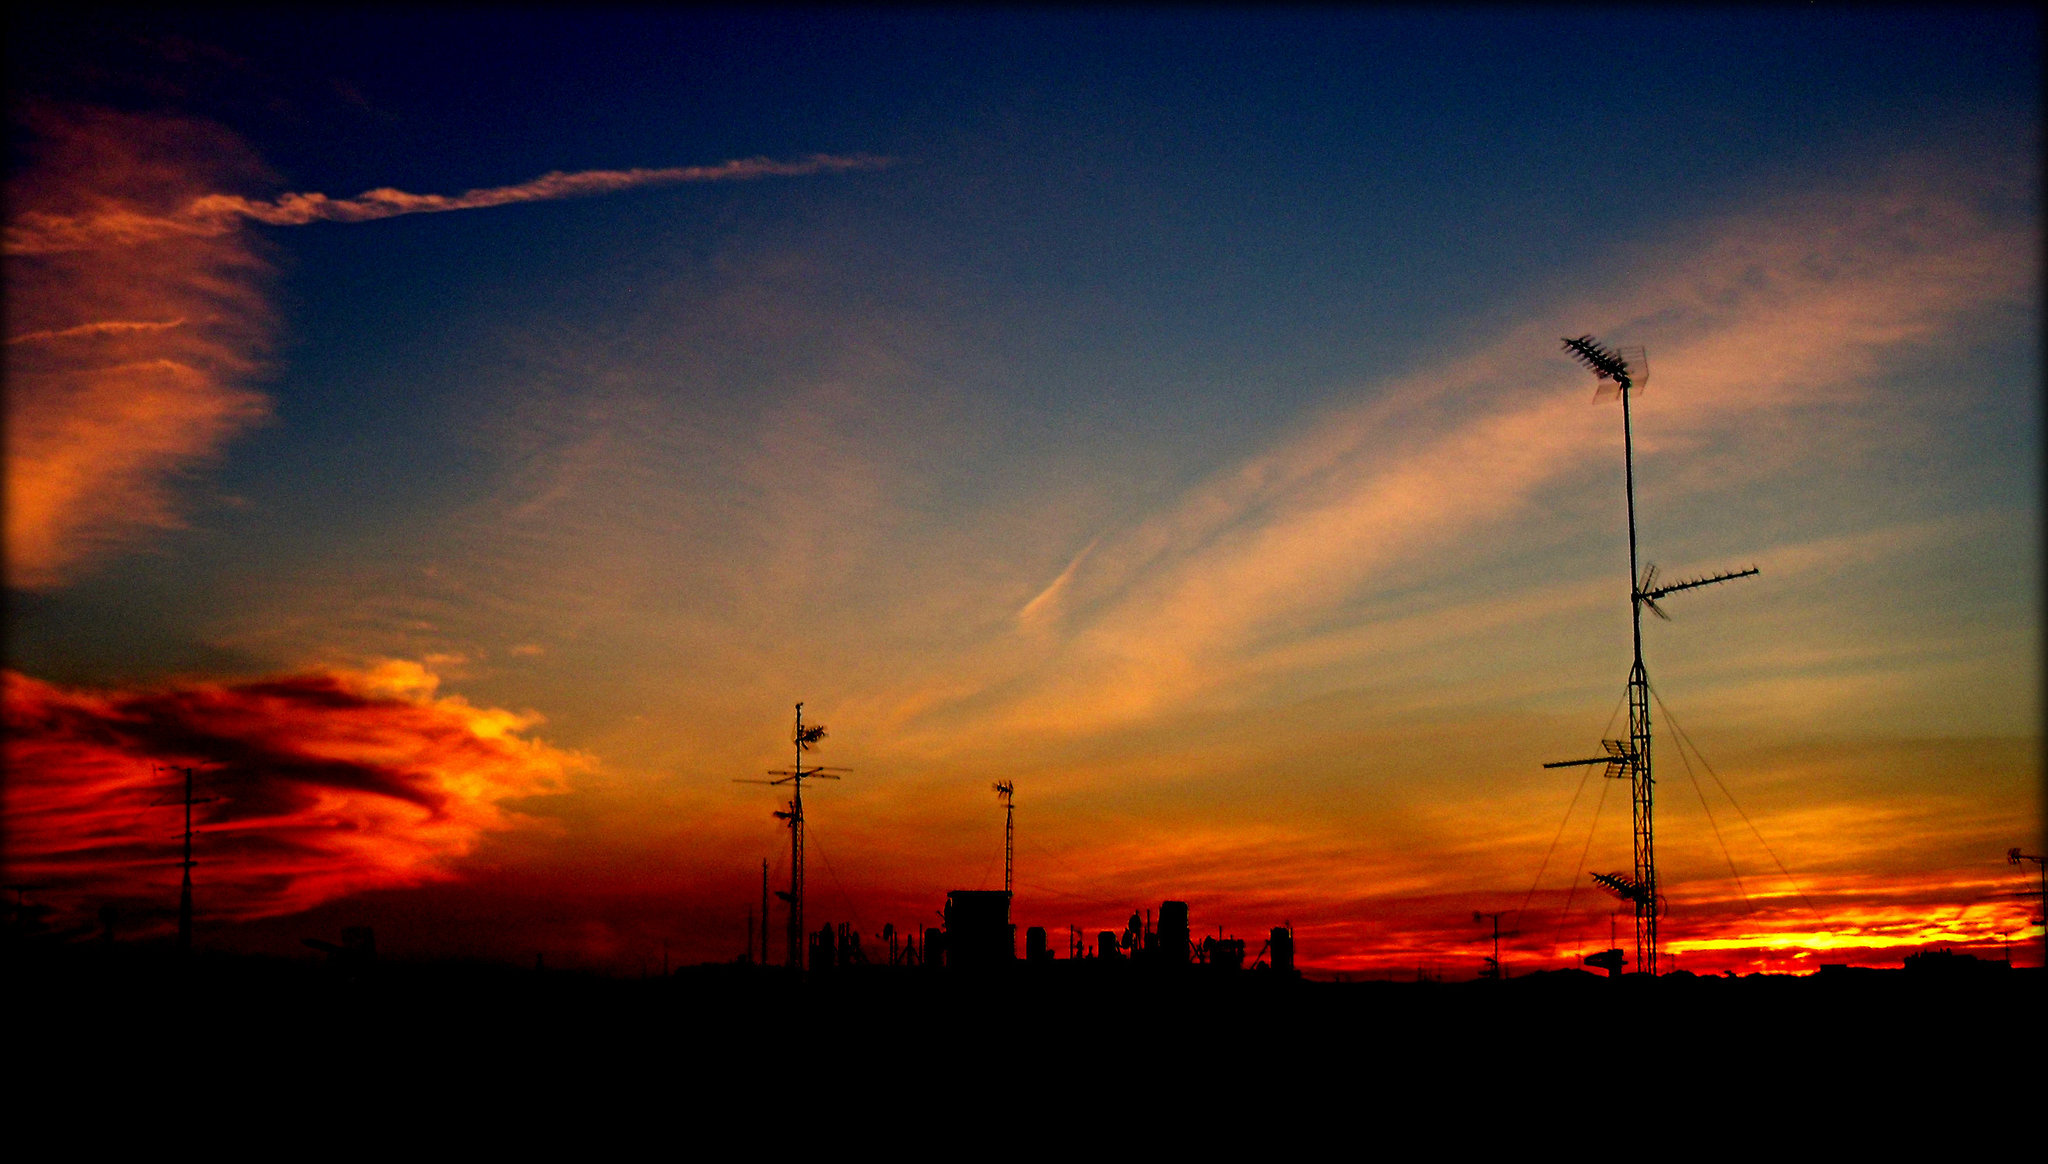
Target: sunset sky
(463, 438)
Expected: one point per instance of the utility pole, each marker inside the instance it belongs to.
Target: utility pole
(805, 739)
(764, 911)
(1631, 757)
(1496, 970)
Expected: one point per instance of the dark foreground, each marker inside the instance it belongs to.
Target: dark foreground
(740, 1047)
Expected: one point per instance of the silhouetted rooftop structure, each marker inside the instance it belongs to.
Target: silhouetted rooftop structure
(979, 935)
(1948, 963)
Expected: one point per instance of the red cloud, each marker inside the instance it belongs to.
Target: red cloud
(326, 783)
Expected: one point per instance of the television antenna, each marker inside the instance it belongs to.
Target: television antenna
(186, 862)
(805, 738)
(1008, 792)
(1494, 969)
(1616, 375)
(2013, 856)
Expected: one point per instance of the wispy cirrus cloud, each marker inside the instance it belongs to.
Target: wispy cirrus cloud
(1761, 317)
(321, 784)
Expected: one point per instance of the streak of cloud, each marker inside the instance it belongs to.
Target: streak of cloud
(325, 783)
(1040, 605)
(94, 330)
(39, 232)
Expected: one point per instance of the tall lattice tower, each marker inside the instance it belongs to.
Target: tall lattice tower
(1631, 757)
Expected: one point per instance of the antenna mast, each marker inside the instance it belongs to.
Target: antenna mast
(1632, 756)
(805, 739)
(1008, 792)
(1494, 969)
(186, 863)
(2013, 857)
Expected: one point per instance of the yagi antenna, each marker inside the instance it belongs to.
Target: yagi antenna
(1648, 592)
(1605, 363)
(1614, 368)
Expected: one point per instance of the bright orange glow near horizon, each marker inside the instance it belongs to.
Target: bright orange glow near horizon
(323, 786)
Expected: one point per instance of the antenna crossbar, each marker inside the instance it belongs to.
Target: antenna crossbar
(1618, 759)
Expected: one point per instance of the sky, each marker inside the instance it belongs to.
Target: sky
(463, 437)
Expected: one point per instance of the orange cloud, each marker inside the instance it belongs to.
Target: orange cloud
(126, 365)
(325, 783)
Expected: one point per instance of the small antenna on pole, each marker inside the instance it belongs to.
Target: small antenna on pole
(2013, 856)
(1494, 969)
(1008, 792)
(186, 863)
